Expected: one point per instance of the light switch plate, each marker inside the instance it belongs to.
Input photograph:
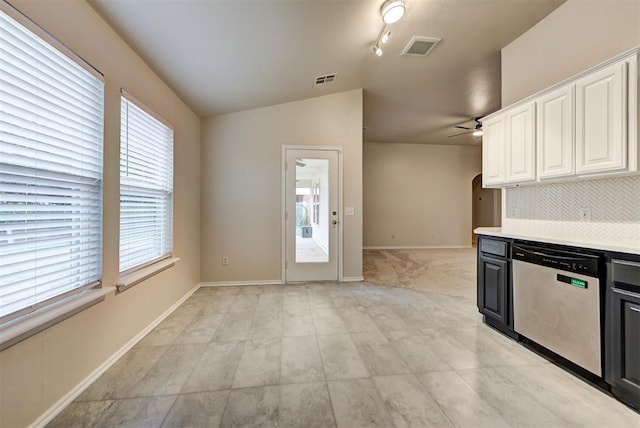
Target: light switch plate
(349, 211)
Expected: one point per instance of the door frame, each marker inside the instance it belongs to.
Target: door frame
(283, 206)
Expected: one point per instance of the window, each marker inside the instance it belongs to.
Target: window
(316, 202)
(51, 124)
(146, 186)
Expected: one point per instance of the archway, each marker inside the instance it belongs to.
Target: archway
(486, 207)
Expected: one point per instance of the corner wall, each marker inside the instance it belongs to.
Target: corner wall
(241, 182)
(418, 195)
(39, 371)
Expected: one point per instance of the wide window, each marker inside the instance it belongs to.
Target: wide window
(51, 125)
(146, 186)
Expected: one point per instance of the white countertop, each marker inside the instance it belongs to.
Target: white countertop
(630, 246)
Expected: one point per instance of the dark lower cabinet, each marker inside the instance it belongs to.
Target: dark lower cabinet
(494, 283)
(623, 330)
(492, 287)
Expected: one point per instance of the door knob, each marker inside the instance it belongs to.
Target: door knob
(334, 222)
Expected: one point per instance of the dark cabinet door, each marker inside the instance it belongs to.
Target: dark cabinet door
(623, 330)
(630, 332)
(493, 277)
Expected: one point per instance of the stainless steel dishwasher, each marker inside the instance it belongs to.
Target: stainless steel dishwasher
(556, 302)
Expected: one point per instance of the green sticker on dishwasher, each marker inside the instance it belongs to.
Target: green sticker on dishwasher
(578, 283)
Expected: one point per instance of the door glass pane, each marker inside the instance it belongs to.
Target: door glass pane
(312, 211)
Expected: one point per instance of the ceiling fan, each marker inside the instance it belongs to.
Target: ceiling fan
(476, 131)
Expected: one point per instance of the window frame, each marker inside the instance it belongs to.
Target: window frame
(134, 274)
(24, 322)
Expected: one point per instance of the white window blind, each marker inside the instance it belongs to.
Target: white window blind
(146, 186)
(51, 125)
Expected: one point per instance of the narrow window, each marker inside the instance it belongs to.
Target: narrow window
(146, 186)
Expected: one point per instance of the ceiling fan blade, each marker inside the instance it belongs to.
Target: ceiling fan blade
(464, 127)
(462, 133)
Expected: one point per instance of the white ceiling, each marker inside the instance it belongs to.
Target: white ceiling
(227, 56)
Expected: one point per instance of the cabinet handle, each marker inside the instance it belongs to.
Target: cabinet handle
(626, 293)
(634, 308)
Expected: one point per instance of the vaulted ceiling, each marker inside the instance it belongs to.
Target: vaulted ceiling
(227, 56)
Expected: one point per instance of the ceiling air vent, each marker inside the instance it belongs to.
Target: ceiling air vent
(325, 80)
(420, 46)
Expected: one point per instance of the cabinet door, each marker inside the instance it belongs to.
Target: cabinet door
(601, 112)
(519, 144)
(493, 276)
(631, 347)
(554, 134)
(493, 171)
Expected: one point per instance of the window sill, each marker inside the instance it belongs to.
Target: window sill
(21, 328)
(130, 279)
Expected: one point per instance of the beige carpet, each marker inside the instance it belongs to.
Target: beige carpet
(445, 271)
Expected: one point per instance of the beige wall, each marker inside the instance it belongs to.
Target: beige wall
(37, 372)
(241, 182)
(421, 194)
(574, 37)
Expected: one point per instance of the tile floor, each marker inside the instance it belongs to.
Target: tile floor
(346, 355)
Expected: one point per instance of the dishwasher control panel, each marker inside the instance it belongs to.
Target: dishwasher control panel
(586, 264)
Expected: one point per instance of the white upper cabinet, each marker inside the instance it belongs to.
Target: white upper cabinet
(584, 127)
(519, 143)
(601, 119)
(493, 169)
(554, 133)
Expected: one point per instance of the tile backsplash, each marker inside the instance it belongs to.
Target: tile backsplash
(611, 207)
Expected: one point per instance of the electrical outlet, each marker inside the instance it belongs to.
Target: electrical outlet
(585, 214)
(225, 260)
(349, 211)
(514, 212)
(393, 236)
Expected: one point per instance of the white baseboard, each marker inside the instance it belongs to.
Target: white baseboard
(239, 283)
(422, 247)
(266, 282)
(59, 406)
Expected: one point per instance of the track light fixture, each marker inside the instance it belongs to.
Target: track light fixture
(391, 11)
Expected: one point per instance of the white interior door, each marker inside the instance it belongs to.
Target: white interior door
(312, 217)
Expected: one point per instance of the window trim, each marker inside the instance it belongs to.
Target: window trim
(139, 104)
(19, 329)
(141, 273)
